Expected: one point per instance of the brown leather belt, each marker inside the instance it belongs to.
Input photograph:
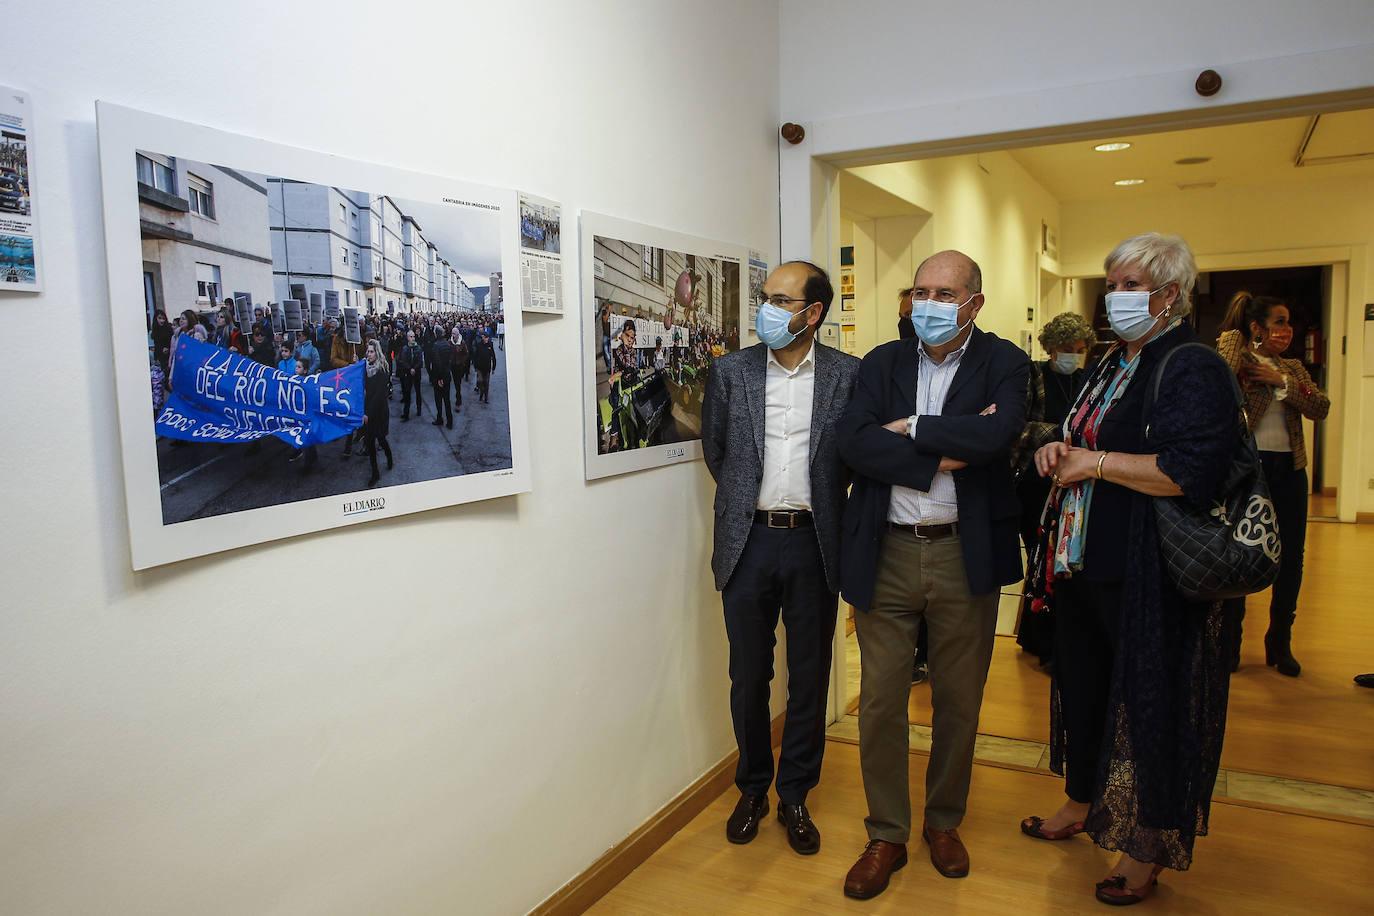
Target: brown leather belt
(782, 518)
(927, 532)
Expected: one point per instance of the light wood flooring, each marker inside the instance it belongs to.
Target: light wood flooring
(1316, 727)
(1274, 858)
(1253, 861)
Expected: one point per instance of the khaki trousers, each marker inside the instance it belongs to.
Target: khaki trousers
(921, 578)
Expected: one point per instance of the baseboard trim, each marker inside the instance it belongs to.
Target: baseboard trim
(1328, 491)
(627, 855)
(1364, 518)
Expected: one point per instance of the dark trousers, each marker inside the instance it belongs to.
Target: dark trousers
(780, 570)
(372, 443)
(1288, 489)
(458, 372)
(1087, 617)
(442, 403)
(409, 384)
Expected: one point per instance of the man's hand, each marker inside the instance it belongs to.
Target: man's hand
(952, 464)
(897, 426)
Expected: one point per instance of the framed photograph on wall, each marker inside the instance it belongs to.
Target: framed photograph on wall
(236, 429)
(657, 308)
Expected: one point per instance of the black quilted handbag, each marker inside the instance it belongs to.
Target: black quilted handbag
(1229, 547)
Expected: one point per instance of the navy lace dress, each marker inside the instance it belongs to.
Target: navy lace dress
(1167, 707)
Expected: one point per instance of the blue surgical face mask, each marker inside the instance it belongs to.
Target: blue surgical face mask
(772, 325)
(937, 323)
(1068, 363)
(1128, 312)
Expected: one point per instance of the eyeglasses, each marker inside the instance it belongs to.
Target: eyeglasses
(780, 300)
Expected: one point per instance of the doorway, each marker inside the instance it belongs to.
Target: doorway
(1040, 219)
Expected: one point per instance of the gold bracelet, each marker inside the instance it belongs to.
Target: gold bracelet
(1101, 458)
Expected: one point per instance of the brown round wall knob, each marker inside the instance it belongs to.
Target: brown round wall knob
(1208, 83)
(793, 133)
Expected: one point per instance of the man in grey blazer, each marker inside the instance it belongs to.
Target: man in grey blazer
(768, 424)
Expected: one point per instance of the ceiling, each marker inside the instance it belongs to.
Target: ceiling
(1333, 145)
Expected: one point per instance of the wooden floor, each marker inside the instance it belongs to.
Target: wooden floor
(1316, 727)
(1254, 861)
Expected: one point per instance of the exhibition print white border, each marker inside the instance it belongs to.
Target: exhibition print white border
(121, 132)
(591, 226)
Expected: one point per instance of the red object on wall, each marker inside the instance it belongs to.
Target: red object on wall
(682, 293)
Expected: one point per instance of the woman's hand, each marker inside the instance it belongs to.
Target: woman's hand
(1048, 456)
(1262, 374)
(1076, 464)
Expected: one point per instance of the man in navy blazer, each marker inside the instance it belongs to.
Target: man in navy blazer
(767, 433)
(930, 534)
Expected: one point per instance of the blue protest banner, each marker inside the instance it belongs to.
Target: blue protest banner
(218, 396)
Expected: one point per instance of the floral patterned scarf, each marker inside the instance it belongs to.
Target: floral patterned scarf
(1058, 553)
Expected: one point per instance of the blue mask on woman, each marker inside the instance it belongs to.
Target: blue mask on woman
(1068, 363)
(771, 324)
(937, 323)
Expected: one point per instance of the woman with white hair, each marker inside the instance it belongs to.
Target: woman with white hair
(1138, 699)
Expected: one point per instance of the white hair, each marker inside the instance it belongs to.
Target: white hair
(1164, 258)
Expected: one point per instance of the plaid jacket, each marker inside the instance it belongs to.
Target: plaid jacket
(1304, 399)
(1037, 431)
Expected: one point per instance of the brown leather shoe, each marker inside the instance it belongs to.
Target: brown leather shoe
(869, 876)
(947, 852)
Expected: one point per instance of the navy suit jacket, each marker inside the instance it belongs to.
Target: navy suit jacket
(991, 371)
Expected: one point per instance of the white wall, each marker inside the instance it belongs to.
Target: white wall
(984, 74)
(875, 56)
(985, 205)
(450, 712)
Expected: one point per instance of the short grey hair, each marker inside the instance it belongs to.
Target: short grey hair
(1065, 329)
(1165, 258)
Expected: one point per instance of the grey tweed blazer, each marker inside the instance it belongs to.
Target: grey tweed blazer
(732, 442)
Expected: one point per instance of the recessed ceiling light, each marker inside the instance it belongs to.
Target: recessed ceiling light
(1192, 160)
(1112, 147)
(1123, 182)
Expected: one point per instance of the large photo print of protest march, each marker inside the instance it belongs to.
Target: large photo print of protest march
(307, 340)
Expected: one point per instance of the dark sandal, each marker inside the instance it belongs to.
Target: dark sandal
(1035, 827)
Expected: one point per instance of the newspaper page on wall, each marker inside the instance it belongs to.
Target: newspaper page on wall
(21, 269)
(758, 275)
(541, 255)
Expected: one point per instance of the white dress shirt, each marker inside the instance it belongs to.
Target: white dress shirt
(939, 505)
(787, 434)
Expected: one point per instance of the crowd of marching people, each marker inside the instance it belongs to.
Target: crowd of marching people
(677, 348)
(441, 350)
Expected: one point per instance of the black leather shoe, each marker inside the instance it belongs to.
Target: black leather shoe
(801, 832)
(743, 824)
